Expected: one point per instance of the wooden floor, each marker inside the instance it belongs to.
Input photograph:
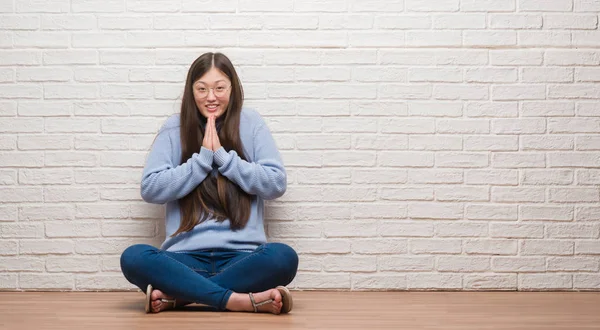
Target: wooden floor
(312, 310)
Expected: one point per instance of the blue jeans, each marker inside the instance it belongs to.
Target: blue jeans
(210, 276)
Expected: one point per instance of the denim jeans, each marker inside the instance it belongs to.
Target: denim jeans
(210, 276)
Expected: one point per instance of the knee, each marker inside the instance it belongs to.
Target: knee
(132, 255)
(285, 259)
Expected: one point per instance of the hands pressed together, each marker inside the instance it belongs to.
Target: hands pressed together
(211, 137)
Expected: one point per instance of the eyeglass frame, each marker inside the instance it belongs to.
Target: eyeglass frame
(214, 91)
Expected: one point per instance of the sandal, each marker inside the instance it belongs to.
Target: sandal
(149, 300)
(286, 299)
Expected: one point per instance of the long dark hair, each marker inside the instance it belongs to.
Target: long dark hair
(216, 196)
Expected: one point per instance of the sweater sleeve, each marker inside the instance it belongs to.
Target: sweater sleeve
(164, 180)
(265, 177)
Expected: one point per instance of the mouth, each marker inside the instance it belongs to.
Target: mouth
(212, 107)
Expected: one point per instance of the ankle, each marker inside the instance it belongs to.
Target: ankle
(236, 301)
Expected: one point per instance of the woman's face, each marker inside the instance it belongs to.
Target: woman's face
(212, 92)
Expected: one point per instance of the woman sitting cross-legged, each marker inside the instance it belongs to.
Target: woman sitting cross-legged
(213, 164)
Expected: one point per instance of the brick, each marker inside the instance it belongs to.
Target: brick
(491, 212)
(370, 282)
(570, 21)
(8, 177)
(111, 6)
(518, 160)
(323, 281)
(72, 229)
(545, 281)
(19, 22)
(573, 264)
(435, 142)
(586, 177)
(485, 75)
(587, 247)
(8, 248)
(573, 195)
(376, 176)
(544, 247)
(546, 213)
(45, 176)
(513, 195)
(406, 194)
(491, 143)
(463, 264)
(572, 231)
(518, 264)
(70, 158)
(124, 22)
(349, 229)
(547, 176)
(44, 247)
(408, 126)
(403, 22)
(370, 210)
(574, 159)
(453, 194)
(518, 126)
(516, 57)
(540, 5)
(380, 142)
(506, 230)
(102, 282)
(435, 211)
(350, 263)
(487, 5)
(490, 282)
(72, 264)
(435, 246)
(435, 176)
(461, 159)
(406, 159)
(586, 281)
(491, 246)
(405, 229)
(376, 5)
(21, 194)
(40, 212)
(427, 281)
(435, 109)
(68, 22)
(489, 38)
(125, 228)
(433, 38)
(515, 21)
(21, 264)
(406, 264)
(568, 57)
(586, 5)
(461, 229)
(491, 109)
(462, 21)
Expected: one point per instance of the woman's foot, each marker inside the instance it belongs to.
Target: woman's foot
(157, 305)
(240, 302)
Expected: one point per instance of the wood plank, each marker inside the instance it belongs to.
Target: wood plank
(312, 310)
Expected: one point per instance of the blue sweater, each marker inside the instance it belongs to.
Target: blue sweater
(165, 181)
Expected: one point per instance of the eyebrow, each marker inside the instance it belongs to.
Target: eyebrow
(200, 81)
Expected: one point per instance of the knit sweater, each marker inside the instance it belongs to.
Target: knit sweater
(166, 181)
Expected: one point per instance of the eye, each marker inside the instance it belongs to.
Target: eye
(202, 89)
(220, 88)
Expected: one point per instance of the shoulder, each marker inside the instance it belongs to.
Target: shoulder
(171, 122)
(251, 118)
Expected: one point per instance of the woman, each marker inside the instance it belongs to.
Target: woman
(213, 164)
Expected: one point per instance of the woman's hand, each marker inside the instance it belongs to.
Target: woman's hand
(207, 141)
(211, 137)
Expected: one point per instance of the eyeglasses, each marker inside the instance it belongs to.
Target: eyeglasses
(219, 91)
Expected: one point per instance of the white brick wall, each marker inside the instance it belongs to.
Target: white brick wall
(444, 144)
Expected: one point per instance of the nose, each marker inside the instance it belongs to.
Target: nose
(211, 94)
